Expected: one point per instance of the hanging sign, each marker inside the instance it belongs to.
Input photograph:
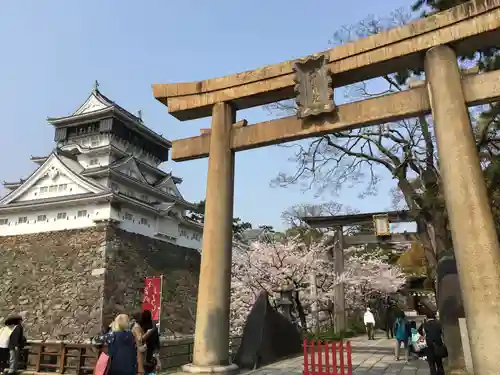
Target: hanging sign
(152, 296)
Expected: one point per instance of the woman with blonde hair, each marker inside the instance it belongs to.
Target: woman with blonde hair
(122, 350)
(120, 324)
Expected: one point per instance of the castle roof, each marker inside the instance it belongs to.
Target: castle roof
(98, 106)
(60, 162)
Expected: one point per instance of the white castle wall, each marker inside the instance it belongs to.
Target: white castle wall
(54, 219)
(84, 216)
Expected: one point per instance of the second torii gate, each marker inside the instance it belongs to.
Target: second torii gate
(381, 235)
(432, 43)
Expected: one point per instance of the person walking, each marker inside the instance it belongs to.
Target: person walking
(436, 349)
(122, 349)
(402, 333)
(147, 340)
(369, 321)
(16, 341)
(389, 318)
(5, 333)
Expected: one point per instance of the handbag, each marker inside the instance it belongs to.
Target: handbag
(419, 345)
(103, 364)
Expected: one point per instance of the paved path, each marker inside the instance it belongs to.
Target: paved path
(368, 358)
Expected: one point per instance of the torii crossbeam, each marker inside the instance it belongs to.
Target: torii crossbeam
(432, 43)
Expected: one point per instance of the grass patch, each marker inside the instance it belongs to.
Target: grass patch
(355, 328)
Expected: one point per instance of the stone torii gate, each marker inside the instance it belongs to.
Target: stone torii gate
(432, 43)
(382, 235)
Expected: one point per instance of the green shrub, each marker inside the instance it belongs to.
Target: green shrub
(330, 335)
(356, 326)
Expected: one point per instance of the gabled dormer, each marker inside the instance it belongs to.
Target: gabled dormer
(169, 185)
(128, 166)
(58, 176)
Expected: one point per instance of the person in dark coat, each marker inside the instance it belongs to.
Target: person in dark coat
(151, 339)
(16, 341)
(389, 317)
(433, 332)
(122, 349)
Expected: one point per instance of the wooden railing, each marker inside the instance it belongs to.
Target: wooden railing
(80, 359)
(60, 358)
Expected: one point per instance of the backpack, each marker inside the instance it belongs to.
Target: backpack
(5, 333)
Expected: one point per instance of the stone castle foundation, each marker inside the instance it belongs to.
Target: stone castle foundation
(73, 282)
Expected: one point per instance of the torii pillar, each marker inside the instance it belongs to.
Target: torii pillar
(339, 313)
(211, 341)
(472, 227)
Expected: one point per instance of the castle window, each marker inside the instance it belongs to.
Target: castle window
(4, 221)
(144, 221)
(61, 215)
(114, 187)
(41, 218)
(128, 216)
(63, 187)
(43, 189)
(93, 161)
(82, 213)
(22, 220)
(52, 188)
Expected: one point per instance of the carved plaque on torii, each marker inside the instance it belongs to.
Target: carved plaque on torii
(313, 86)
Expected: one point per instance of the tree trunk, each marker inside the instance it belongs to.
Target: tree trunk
(300, 310)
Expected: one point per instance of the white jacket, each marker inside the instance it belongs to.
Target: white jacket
(5, 333)
(369, 318)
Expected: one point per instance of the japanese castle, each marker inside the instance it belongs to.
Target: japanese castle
(104, 169)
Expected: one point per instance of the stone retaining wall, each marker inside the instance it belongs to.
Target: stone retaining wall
(72, 282)
(131, 258)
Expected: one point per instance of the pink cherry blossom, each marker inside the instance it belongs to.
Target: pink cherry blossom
(272, 265)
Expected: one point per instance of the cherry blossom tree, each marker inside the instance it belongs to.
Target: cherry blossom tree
(366, 277)
(273, 265)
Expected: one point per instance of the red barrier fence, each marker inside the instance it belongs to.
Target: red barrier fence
(327, 358)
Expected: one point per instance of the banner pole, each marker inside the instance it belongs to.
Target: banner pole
(161, 300)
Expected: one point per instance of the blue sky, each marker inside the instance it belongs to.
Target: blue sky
(53, 50)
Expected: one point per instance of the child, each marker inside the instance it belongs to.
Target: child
(417, 341)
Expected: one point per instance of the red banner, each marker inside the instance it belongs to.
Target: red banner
(152, 296)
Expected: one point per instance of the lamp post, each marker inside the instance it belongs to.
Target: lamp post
(285, 303)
